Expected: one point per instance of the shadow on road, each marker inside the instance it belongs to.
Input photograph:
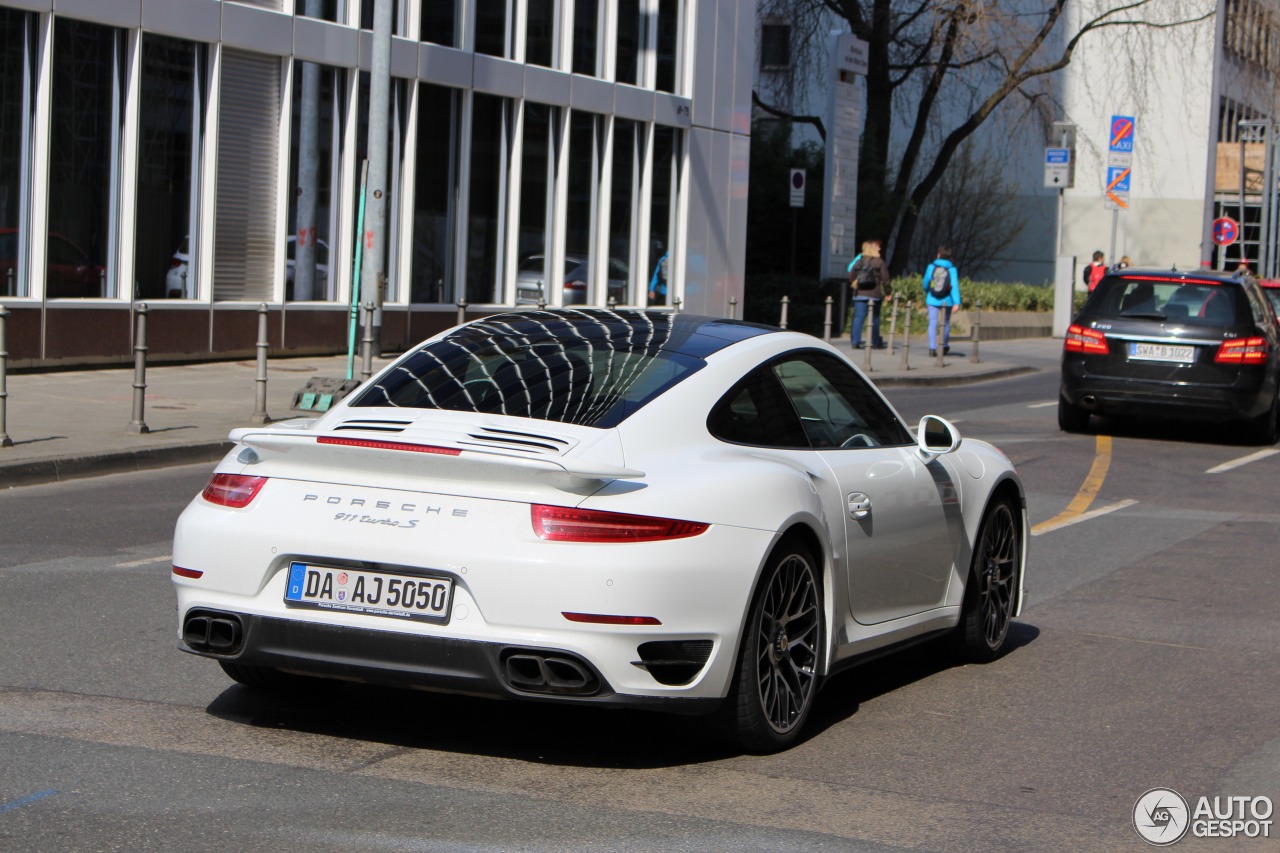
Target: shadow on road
(549, 733)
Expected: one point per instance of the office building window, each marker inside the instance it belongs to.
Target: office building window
(440, 22)
(537, 176)
(775, 47)
(490, 123)
(625, 195)
(586, 33)
(539, 46)
(313, 181)
(666, 173)
(327, 10)
(583, 201)
(84, 151)
(667, 49)
(630, 38)
(434, 196)
(16, 35)
(493, 18)
(170, 137)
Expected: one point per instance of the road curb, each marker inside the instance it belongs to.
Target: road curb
(949, 381)
(55, 470)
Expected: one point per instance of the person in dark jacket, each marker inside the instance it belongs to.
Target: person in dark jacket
(869, 281)
(941, 294)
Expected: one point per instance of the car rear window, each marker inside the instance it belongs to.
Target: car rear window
(1172, 301)
(581, 372)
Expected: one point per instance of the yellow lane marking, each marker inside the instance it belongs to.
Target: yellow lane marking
(1088, 490)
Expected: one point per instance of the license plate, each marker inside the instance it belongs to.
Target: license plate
(1162, 352)
(372, 593)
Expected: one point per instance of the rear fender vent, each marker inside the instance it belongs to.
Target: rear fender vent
(674, 662)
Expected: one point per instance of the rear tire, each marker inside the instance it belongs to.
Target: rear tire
(1071, 418)
(1265, 429)
(776, 678)
(991, 596)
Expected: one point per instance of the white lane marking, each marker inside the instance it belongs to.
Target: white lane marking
(1243, 460)
(1084, 516)
(1042, 405)
(133, 564)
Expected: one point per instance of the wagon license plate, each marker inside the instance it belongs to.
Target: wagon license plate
(1162, 352)
(373, 593)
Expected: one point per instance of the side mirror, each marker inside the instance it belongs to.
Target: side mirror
(936, 436)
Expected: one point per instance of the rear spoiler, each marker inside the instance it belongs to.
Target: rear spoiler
(395, 456)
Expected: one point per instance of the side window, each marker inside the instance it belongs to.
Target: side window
(806, 399)
(756, 411)
(837, 408)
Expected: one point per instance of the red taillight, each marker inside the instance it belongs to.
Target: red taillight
(233, 490)
(575, 285)
(604, 619)
(564, 524)
(174, 263)
(187, 573)
(1242, 351)
(388, 445)
(1085, 340)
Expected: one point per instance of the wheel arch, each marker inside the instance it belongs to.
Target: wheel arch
(1008, 488)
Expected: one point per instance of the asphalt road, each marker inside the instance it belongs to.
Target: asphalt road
(1144, 658)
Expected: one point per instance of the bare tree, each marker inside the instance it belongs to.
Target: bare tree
(970, 212)
(971, 56)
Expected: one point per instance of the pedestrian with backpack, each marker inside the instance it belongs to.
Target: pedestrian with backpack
(1094, 272)
(869, 281)
(941, 294)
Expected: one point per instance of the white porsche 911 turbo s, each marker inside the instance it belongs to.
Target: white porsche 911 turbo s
(610, 507)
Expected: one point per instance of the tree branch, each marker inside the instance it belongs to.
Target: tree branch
(783, 114)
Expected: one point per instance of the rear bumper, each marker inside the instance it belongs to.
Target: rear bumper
(1248, 397)
(438, 664)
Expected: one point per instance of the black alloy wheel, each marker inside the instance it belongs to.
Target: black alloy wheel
(777, 674)
(991, 595)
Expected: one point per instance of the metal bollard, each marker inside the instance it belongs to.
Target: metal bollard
(366, 345)
(542, 303)
(676, 303)
(9, 288)
(138, 425)
(866, 342)
(612, 304)
(906, 340)
(893, 322)
(733, 307)
(786, 303)
(260, 415)
(5, 441)
(462, 311)
(976, 332)
(826, 321)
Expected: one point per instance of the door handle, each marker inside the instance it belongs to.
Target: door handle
(859, 505)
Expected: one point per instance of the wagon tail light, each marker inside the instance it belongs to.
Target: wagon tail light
(233, 490)
(565, 524)
(1242, 351)
(1085, 340)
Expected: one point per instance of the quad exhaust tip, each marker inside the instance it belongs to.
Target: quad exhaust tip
(533, 671)
(217, 633)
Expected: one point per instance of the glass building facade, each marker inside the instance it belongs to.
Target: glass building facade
(205, 157)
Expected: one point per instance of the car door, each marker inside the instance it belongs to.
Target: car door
(901, 515)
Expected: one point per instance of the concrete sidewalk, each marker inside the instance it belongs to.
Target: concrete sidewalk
(66, 425)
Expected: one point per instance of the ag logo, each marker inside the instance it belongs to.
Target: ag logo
(1161, 817)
